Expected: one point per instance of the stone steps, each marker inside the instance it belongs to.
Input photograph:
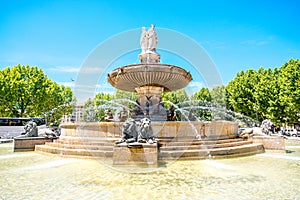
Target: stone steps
(91, 139)
(170, 149)
(225, 152)
(103, 146)
(73, 152)
(203, 146)
(86, 143)
(189, 142)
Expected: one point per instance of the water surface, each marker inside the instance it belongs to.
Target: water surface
(29, 175)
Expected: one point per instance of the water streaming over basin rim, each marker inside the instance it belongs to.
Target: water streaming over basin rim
(36, 176)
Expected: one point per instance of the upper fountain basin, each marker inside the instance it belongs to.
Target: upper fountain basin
(133, 76)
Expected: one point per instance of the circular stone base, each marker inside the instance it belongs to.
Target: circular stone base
(149, 57)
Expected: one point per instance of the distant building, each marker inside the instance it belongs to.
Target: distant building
(76, 116)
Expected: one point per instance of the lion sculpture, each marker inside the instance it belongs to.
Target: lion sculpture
(133, 131)
(145, 133)
(31, 130)
(129, 132)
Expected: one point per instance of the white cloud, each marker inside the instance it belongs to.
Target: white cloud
(215, 44)
(254, 42)
(91, 70)
(67, 84)
(68, 69)
(261, 43)
(195, 84)
(193, 87)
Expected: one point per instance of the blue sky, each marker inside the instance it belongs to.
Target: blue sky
(59, 35)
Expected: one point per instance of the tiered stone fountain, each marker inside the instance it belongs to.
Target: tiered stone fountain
(176, 139)
(149, 78)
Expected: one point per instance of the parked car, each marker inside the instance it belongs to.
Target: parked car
(291, 132)
(240, 130)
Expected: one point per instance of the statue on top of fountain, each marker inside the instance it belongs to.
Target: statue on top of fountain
(149, 39)
(148, 44)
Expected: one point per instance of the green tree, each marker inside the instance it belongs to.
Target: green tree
(240, 92)
(64, 105)
(175, 97)
(203, 94)
(218, 96)
(132, 96)
(202, 101)
(266, 95)
(89, 111)
(27, 91)
(128, 99)
(101, 98)
(289, 94)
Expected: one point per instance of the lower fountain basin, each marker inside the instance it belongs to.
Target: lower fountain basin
(168, 129)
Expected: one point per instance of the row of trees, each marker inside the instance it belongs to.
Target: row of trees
(267, 93)
(27, 92)
(261, 94)
(258, 94)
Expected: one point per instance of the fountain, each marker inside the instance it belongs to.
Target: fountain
(189, 139)
(149, 78)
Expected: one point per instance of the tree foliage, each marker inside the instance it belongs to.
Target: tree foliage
(27, 91)
(202, 103)
(174, 97)
(289, 93)
(267, 93)
(241, 92)
(218, 96)
(203, 94)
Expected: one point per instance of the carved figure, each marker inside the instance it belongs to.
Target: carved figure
(31, 130)
(136, 110)
(149, 39)
(129, 132)
(145, 131)
(108, 116)
(123, 115)
(267, 126)
(191, 116)
(152, 38)
(172, 114)
(144, 40)
(49, 133)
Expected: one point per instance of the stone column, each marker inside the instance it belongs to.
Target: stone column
(149, 98)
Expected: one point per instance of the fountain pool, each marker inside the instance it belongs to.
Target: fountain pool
(30, 175)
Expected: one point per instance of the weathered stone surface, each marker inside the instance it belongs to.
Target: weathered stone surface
(28, 143)
(271, 142)
(218, 129)
(133, 76)
(135, 154)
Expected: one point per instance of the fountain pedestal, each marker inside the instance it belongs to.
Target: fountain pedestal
(149, 57)
(149, 100)
(135, 154)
